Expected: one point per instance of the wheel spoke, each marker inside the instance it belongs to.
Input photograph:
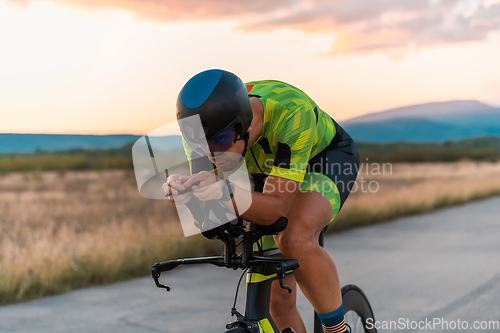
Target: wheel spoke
(354, 321)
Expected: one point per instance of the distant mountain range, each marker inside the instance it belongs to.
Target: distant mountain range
(431, 122)
(27, 143)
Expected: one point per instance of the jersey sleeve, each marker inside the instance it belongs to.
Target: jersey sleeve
(295, 139)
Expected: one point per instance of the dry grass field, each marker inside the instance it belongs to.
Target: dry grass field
(60, 231)
(415, 188)
(63, 231)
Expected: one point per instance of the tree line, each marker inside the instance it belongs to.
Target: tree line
(476, 149)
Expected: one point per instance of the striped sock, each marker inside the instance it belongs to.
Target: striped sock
(333, 322)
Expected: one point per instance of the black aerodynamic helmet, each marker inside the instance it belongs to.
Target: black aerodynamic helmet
(221, 100)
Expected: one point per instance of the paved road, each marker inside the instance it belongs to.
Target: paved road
(444, 264)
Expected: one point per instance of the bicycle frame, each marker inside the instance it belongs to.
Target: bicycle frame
(258, 294)
(259, 280)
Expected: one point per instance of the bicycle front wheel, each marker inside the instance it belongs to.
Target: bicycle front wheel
(358, 313)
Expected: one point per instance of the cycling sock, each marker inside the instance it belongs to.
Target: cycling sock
(333, 322)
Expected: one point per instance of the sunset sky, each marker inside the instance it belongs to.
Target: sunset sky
(116, 66)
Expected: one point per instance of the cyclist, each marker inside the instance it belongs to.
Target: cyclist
(311, 164)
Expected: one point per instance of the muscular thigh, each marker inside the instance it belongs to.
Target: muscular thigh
(323, 192)
(309, 213)
(322, 186)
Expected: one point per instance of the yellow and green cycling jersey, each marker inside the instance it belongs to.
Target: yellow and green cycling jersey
(294, 130)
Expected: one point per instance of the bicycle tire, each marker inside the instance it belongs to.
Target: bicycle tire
(356, 304)
(357, 311)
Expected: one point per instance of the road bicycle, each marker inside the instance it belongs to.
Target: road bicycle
(262, 268)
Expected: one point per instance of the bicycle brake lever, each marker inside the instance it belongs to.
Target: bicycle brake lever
(156, 272)
(159, 284)
(281, 274)
(284, 266)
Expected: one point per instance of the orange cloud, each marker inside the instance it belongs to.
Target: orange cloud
(348, 42)
(360, 26)
(391, 26)
(175, 10)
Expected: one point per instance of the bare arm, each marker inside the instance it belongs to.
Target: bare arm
(273, 203)
(265, 208)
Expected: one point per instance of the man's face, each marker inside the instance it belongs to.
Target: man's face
(229, 159)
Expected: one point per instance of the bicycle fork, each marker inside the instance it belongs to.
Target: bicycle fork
(257, 318)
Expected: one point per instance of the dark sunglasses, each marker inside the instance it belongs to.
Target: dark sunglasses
(225, 138)
(217, 144)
